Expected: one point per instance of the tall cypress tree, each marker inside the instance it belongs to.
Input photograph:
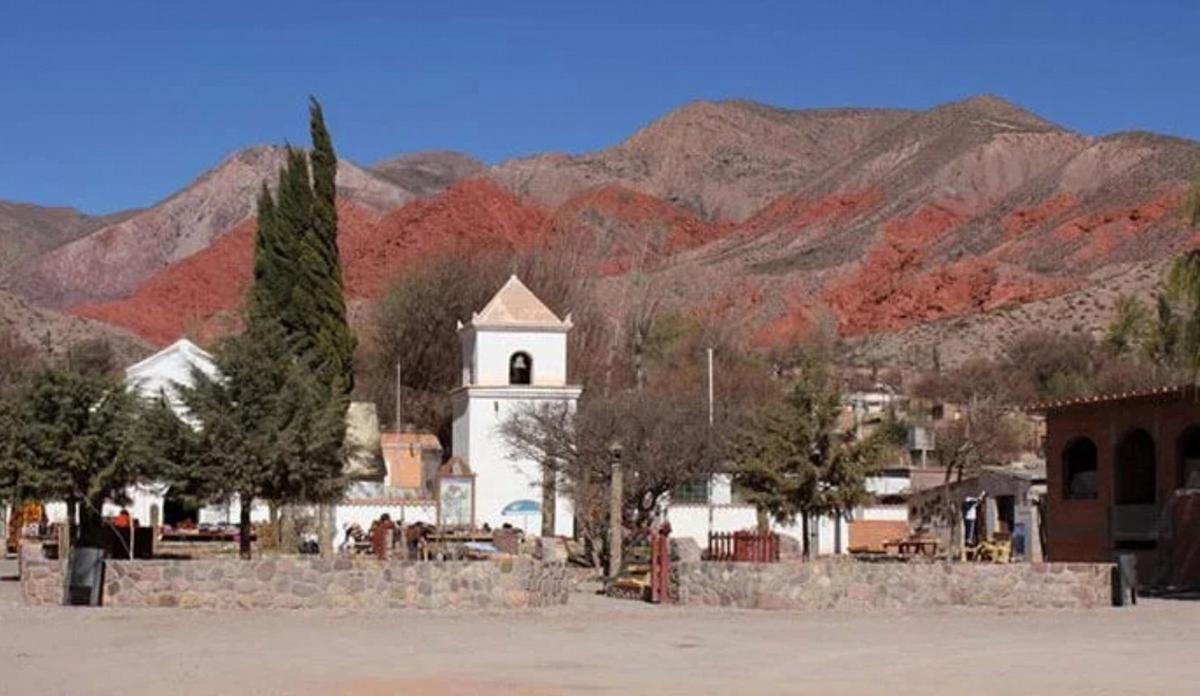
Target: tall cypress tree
(264, 302)
(297, 268)
(334, 340)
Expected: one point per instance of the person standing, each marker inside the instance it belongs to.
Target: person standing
(970, 515)
(382, 535)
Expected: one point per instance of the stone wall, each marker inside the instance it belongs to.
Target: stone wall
(849, 584)
(290, 582)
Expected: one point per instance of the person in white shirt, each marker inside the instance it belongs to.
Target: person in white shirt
(970, 514)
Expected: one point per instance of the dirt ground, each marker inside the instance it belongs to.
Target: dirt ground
(597, 645)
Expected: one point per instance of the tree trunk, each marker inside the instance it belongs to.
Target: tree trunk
(805, 546)
(244, 529)
(325, 530)
(288, 543)
(91, 526)
(549, 500)
(764, 523)
(273, 524)
(72, 521)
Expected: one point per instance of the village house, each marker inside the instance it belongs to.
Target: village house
(1123, 474)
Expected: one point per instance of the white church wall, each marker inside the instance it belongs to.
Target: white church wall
(887, 484)
(494, 348)
(891, 513)
(500, 479)
(697, 520)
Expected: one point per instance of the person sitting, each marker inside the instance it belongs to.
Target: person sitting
(122, 520)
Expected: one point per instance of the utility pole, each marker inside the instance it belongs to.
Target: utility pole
(709, 492)
(616, 495)
(400, 423)
(710, 388)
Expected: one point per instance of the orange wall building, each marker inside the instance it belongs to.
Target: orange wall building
(1114, 465)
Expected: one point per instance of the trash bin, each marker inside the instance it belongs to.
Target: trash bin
(1124, 580)
(85, 577)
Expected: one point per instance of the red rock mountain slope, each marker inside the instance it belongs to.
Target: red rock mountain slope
(878, 220)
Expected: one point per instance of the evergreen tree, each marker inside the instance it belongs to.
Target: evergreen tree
(265, 429)
(794, 461)
(333, 338)
(74, 437)
(297, 268)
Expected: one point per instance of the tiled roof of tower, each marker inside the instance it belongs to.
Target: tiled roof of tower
(516, 305)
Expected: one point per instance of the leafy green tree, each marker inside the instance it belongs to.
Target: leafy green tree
(265, 429)
(793, 460)
(74, 437)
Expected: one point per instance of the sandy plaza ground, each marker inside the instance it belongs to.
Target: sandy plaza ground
(597, 645)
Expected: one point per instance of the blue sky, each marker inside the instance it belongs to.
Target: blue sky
(109, 105)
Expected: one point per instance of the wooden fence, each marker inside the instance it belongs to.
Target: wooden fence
(745, 547)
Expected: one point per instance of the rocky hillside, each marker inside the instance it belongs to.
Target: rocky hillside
(50, 333)
(723, 161)
(116, 259)
(902, 228)
(27, 231)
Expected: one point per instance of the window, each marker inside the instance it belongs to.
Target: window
(520, 369)
(1189, 458)
(1136, 469)
(692, 491)
(1079, 469)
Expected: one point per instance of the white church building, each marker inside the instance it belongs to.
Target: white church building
(514, 356)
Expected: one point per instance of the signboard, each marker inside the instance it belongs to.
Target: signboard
(456, 501)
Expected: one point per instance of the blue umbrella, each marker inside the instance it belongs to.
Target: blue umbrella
(519, 508)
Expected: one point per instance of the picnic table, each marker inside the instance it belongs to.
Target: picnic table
(200, 536)
(912, 547)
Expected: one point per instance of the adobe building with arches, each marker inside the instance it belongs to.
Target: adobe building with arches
(1122, 475)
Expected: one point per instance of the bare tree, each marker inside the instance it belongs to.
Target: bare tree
(414, 325)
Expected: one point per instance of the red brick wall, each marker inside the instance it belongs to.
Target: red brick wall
(1077, 530)
(870, 534)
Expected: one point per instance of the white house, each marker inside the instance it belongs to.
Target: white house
(514, 356)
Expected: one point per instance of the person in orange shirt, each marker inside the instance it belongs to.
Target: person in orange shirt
(122, 520)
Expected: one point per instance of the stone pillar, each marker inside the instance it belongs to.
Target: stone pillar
(155, 523)
(1033, 534)
(615, 530)
(64, 541)
(990, 518)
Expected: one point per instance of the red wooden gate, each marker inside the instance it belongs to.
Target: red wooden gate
(660, 565)
(743, 547)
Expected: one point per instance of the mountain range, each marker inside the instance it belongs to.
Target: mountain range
(952, 227)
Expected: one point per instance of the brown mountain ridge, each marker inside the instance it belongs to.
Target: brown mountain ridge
(881, 220)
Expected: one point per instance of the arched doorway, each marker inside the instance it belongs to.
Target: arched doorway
(177, 509)
(1136, 470)
(1079, 469)
(1189, 458)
